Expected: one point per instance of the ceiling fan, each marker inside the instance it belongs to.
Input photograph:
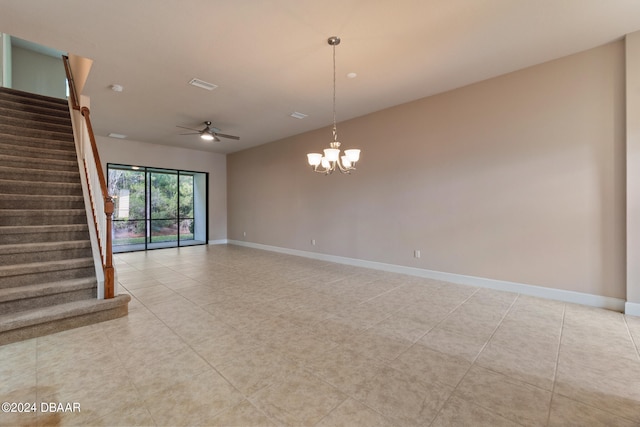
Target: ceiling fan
(209, 133)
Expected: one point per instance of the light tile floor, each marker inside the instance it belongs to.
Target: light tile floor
(232, 336)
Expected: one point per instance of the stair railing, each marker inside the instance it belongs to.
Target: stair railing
(102, 205)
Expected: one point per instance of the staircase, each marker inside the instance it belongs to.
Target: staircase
(47, 274)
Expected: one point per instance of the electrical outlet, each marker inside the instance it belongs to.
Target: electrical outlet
(416, 253)
(313, 242)
(244, 234)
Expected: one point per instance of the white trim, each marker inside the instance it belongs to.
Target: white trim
(632, 308)
(609, 303)
(77, 124)
(218, 242)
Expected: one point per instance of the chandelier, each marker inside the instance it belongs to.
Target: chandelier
(332, 160)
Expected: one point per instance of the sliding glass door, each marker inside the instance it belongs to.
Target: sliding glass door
(163, 203)
(157, 208)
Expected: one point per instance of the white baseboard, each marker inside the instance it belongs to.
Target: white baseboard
(632, 308)
(615, 304)
(218, 242)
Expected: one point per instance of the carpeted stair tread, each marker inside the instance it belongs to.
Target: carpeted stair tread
(39, 212)
(43, 267)
(19, 248)
(34, 98)
(27, 252)
(37, 163)
(46, 111)
(8, 217)
(35, 133)
(60, 311)
(20, 150)
(41, 125)
(37, 116)
(40, 187)
(19, 234)
(27, 201)
(42, 143)
(49, 288)
(12, 174)
(41, 229)
(20, 197)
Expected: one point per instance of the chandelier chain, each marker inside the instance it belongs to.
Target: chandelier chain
(335, 129)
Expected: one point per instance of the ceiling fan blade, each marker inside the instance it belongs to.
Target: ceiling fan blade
(190, 133)
(222, 135)
(195, 130)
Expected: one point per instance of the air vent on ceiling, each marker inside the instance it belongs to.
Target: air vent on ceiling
(297, 115)
(202, 84)
(117, 135)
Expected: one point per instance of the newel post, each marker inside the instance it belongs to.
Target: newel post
(109, 276)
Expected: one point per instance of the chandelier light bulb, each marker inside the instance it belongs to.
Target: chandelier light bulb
(314, 159)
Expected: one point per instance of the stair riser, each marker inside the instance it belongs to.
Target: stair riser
(47, 276)
(38, 143)
(40, 125)
(26, 98)
(30, 108)
(44, 256)
(40, 164)
(33, 117)
(36, 153)
(46, 300)
(15, 174)
(40, 204)
(62, 236)
(43, 188)
(43, 218)
(35, 133)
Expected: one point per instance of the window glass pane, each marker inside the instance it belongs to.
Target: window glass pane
(128, 189)
(186, 196)
(163, 195)
(127, 186)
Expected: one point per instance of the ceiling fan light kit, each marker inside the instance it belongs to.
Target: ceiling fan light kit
(332, 160)
(209, 133)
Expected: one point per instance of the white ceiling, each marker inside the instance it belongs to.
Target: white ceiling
(270, 58)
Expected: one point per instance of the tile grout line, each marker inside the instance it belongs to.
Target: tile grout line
(633, 341)
(348, 395)
(474, 362)
(496, 329)
(449, 314)
(555, 370)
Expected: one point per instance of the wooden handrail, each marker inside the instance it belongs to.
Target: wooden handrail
(86, 113)
(75, 104)
(107, 259)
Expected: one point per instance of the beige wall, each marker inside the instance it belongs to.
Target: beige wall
(129, 152)
(633, 169)
(517, 178)
(37, 73)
